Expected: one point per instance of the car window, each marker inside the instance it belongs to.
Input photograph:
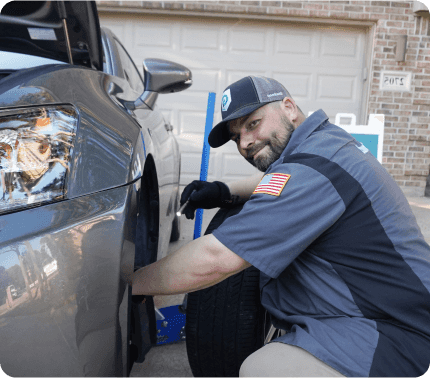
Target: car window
(130, 71)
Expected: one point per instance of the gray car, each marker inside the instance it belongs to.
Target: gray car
(89, 186)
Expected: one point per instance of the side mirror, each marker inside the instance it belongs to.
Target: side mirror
(162, 76)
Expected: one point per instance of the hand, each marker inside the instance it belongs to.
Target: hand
(204, 195)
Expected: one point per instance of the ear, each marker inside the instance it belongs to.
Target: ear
(290, 110)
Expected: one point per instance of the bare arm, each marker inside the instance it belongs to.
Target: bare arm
(244, 188)
(197, 265)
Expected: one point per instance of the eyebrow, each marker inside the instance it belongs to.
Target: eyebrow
(240, 124)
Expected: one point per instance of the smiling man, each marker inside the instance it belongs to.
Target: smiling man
(345, 270)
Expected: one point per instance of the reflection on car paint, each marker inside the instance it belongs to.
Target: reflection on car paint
(70, 277)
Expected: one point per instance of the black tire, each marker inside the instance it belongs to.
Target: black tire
(225, 322)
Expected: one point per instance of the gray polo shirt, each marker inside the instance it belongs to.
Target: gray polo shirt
(344, 267)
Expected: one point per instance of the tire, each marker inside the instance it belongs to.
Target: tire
(225, 322)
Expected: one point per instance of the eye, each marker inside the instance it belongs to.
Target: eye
(254, 124)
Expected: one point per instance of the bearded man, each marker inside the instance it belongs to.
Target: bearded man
(345, 270)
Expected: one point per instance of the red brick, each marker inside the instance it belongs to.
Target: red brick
(252, 3)
(175, 5)
(400, 4)
(295, 4)
(339, 15)
(272, 3)
(257, 10)
(236, 9)
(399, 17)
(333, 7)
(394, 24)
(380, 3)
(360, 16)
(297, 12)
(352, 8)
(379, 16)
(312, 6)
(152, 4)
(278, 11)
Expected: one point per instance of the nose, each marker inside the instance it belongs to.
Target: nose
(246, 140)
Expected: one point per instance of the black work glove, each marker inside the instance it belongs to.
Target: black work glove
(206, 195)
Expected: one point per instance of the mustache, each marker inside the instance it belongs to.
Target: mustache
(254, 149)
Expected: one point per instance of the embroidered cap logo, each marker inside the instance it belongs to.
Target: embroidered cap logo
(226, 100)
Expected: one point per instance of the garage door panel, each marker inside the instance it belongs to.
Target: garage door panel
(298, 84)
(190, 165)
(153, 34)
(200, 38)
(192, 122)
(293, 43)
(204, 80)
(247, 40)
(337, 88)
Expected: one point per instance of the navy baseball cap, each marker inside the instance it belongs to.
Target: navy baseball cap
(242, 98)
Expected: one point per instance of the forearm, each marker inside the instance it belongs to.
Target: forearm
(195, 266)
(244, 188)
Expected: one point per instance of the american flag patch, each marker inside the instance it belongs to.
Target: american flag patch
(273, 183)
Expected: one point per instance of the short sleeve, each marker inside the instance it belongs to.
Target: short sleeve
(272, 230)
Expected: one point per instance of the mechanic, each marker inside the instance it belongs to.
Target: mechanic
(345, 270)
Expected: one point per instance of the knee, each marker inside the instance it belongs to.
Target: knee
(253, 366)
(245, 369)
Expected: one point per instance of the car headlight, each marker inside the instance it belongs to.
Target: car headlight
(36, 145)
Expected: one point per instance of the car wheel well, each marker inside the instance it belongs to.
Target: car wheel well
(148, 217)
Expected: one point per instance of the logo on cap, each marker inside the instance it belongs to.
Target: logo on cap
(226, 100)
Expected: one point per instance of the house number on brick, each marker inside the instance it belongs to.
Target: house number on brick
(395, 81)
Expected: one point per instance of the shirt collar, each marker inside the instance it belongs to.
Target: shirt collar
(303, 131)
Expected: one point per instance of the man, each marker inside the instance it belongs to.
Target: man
(345, 270)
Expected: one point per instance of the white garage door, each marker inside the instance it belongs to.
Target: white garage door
(321, 66)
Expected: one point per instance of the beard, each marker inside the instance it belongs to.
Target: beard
(276, 145)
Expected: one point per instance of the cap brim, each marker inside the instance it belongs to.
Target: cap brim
(220, 133)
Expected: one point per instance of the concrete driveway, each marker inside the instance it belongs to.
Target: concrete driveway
(171, 360)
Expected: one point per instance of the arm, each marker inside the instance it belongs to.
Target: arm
(197, 265)
(244, 188)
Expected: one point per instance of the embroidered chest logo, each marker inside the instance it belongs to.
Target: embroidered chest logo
(272, 184)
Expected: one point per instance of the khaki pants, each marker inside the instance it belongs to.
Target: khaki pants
(283, 360)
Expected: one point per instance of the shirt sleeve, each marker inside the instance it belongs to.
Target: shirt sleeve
(271, 231)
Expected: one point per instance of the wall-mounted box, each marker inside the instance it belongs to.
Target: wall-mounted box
(395, 81)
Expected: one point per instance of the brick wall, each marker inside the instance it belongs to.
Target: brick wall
(407, 133)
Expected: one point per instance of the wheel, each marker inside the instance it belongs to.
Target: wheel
(225, 323)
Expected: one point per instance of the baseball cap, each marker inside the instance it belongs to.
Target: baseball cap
(242, 98)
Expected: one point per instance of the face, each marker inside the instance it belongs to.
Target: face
(262, 136)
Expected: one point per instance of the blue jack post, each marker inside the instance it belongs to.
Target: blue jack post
(171, 320)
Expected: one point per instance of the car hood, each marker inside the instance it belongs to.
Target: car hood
(68, 31)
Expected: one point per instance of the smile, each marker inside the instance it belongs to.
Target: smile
(258, 152)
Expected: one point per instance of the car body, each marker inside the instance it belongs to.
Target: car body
(89, 187)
